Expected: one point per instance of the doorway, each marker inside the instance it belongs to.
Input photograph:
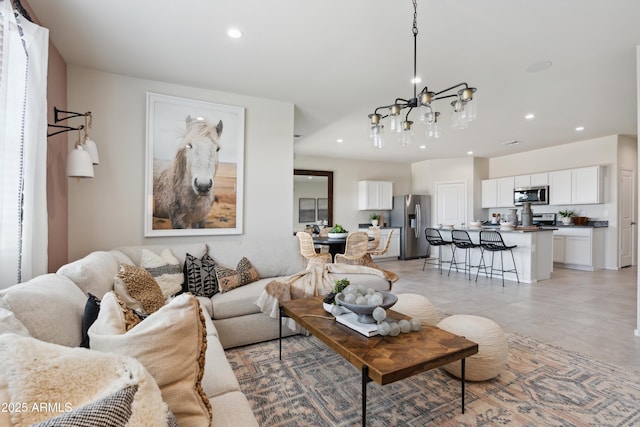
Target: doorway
(627, 239)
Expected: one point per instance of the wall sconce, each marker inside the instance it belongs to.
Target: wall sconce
(81, 159)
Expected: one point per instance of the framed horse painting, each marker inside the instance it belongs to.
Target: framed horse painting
(195, 167)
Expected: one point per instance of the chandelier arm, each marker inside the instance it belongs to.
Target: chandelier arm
(406, 118)
(466, 86)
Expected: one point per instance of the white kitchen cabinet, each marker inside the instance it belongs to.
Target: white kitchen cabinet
(587, 185)
(560, 187)
(579, 248)
(498, 192)
(375, 195)
(489, 193)
(533, 180)
(505, 192)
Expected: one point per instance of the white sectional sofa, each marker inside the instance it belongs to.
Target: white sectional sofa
(50, 308)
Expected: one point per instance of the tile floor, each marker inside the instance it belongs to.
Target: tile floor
(592, 313)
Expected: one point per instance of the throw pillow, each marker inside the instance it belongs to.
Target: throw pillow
(165, 268)
(230, 279)
(137, 288)
(91, 310)
(50, 380)
(170, 343)
(200, 276)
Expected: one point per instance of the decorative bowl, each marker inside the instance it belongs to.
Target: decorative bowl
(475, 224)
(364, 312)
(337, 235)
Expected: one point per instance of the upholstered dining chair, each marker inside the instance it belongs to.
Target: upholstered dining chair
(355, 248)
(308, 250)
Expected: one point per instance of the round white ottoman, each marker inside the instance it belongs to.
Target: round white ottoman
(418, 306)
(491, 357)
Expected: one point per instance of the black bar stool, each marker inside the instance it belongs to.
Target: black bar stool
(461, 240)
(435, 239)
(492, 241)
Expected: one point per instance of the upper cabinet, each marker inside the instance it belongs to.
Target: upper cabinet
(587, 185)
(580, 186)
(560, 187)
(534, 180)
(375, 195)
(497, 193)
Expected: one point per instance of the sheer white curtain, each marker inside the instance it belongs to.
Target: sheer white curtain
(23, 147)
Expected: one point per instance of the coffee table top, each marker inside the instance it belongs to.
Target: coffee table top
(388, 358)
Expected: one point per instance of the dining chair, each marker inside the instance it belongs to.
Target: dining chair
(375, 233)
(308, 250)
(382, 250)
(355, 248)
(324, 232)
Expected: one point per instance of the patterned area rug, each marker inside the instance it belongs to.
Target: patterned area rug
(542, 385)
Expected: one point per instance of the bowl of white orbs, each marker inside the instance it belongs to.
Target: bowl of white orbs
(364, 302)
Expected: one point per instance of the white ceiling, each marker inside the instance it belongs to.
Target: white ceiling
(337, 60)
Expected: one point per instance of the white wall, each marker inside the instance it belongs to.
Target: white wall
(108, 210)
(346, 174)
(427, 174)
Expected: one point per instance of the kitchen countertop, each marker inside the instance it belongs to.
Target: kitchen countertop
(518, 229)
(590, 224)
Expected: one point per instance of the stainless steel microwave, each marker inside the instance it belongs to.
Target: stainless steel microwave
(533, 195)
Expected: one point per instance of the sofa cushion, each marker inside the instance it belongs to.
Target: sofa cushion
(94, 273)
(9, 324)
(50, 306)
(165, 268)
(137, 288)
(180, 251)
(239, 302)
(170, 343)
(229, 279)
(200, 276)
(67, 379)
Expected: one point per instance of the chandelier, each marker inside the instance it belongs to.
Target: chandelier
(463, 108)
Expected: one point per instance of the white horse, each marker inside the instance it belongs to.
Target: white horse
(184, 191)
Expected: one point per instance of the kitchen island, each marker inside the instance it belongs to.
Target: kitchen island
(533, 254)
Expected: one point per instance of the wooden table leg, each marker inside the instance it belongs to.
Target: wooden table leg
(365, 381)
(463, 366)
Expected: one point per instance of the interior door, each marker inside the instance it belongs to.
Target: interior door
(451, 203)
(627, 203)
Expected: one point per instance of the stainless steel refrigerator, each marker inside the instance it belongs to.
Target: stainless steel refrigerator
(411, 214)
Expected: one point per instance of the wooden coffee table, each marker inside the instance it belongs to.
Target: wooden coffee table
(380, 359)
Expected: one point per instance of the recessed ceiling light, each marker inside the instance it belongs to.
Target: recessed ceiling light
(536, 67)
(234, 33)
(580, 128)
(469, 153)
(339, 140)
(530, 116)
(416, 80)
(513, 142)
(422, 147)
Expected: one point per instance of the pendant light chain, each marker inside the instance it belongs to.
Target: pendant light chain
(415, 49)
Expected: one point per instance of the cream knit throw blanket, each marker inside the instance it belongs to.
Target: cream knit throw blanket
(313, 281)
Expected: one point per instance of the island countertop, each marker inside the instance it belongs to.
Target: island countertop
(519, 229)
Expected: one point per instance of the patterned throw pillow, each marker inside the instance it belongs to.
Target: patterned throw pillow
(200, 276)
(165, 268)
(230, 279)
(91, 310)
(137, 288)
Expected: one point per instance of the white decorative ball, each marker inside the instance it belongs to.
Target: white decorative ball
(384, 328)
(404, 325)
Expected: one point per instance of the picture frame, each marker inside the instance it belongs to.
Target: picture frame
(323, 209)
(194, 179)
(306, 210)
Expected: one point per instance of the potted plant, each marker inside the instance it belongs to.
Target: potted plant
(337, 232)
(566, 216)
(374, 217)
